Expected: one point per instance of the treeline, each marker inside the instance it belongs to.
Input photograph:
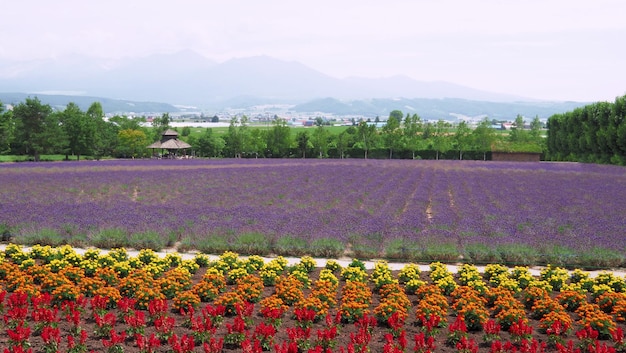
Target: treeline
(32, 128)
(400, 137)
(594, 133)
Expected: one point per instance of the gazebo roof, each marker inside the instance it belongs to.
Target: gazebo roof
(172, 144)
(169, 132)
(170, 141)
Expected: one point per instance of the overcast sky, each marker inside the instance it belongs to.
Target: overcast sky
(546, 49)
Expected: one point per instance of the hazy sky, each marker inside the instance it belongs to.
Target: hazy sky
(546, 49)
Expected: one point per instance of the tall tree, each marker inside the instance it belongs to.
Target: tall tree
(126, 123)
(483, 137)
(79, 129)
(237, 136)
(33, 124)
(7, 129)
(106, 132)
(462, 138)
(208, 144)
(321, 141)
(412, 133)
(279, 138)
(518, 134)
(391, 132)
(367, 135)
(304, 142)
(441, 139)
(132, 143)
(342, 142)
(160, 124)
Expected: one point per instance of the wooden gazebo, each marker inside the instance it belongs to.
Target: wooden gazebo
(169, 142)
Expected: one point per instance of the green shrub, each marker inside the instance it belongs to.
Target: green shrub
(444, 252)
(558, 255)
(44, 236)
(597, 257)
(518, 255)
(110, 238)
(6, 232)
(252, 244)
(147, 240)
(367, 246)
(327, 247)
(212, 244)
(400, 249)
(478, 253)
(291, 246)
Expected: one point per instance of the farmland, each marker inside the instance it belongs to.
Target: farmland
(515, 213)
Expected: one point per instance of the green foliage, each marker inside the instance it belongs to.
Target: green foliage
(37, 129)
(109, 238)
(209, 244)
(481, 253)
(252, 243)
(147, 240)
(327, 247)
(7, 129)
(44, 236)
(400, 249)
(596, 257)
(594, 133)
(291, 245)
(518, 255)
(440, 251)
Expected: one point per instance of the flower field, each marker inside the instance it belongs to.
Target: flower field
(60, 300)
(481, 212)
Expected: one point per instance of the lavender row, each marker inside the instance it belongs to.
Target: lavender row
(538, 204)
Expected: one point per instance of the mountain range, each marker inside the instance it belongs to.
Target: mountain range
(187, 78)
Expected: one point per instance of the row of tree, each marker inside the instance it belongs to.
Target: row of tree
(593, 133)
(33, 128)
(400, 137)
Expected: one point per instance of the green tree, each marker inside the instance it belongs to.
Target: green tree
(304, 142)
(321, 141)
(483, 137)
(367, 135)
(343, 140)
(412, 133)
(126, 123)
(80, 131)
(279, 138)
(160, 124)
(7, 129)
(463, 138)
(535, 129)
(391, 132)
(208, 144)
(37, 129)
(237, 136)
(441, 139)
(257, 143)
(132, 143)
(106, 132)
(518, 134)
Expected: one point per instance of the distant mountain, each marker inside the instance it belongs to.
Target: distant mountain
(188, 78)
(113, 106)
(435, 109)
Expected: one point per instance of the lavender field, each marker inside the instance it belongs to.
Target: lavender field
(415, 210)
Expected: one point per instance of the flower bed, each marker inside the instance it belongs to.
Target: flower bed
(56, 300)
(412, 211)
